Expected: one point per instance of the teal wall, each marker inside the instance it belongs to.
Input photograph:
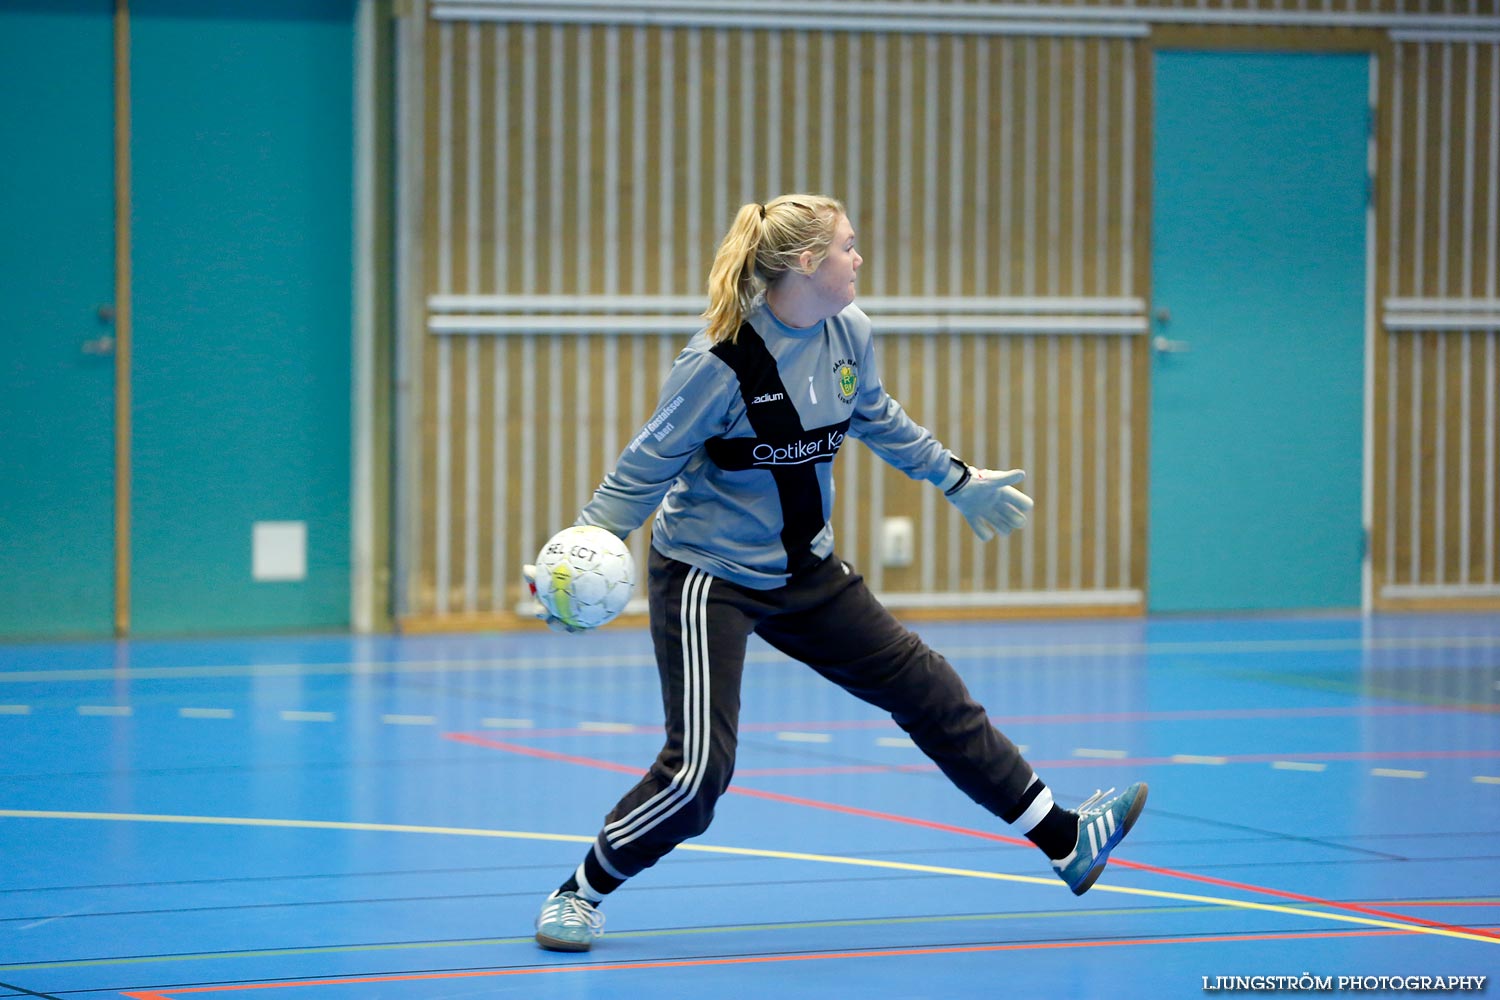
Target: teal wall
(242, 226)
(242, 148)
(57, 267)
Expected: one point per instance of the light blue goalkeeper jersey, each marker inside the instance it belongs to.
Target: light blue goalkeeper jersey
(739, 454)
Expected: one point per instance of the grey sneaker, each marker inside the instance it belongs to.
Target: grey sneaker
(568, 922)
(1102, 824)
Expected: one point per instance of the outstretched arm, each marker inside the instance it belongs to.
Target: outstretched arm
(987, 499)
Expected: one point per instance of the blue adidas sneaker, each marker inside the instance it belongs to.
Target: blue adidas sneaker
(1102, 824)
(568, 922)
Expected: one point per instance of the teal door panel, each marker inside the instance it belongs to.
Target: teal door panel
(1258, 286)
(56, 270)
(242, 149)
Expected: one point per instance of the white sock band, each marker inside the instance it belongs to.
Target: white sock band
(584, 889)
(1036, 812)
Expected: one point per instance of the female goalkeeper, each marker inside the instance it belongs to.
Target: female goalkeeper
(739, 459)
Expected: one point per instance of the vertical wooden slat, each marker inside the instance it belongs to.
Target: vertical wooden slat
(1492, 276)
(586, 138)
(983, 183)
(666, 163)
(1491, 458)
(473, 188)
(1134, 275)
(1006, 91)
(1385, 499)
(1418, 288)
(1442, 494)
(748, 80)
(527, 165)
(1465, 289)
(1051, 252)
(442, 396)
(697, 241)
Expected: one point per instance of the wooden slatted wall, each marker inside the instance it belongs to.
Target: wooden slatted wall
(1436, 364)
(588, 170)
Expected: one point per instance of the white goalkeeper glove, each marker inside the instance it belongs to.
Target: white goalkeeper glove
(556, 624)
(989, 500)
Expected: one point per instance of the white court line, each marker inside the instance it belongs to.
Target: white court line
(1392, 772)
(508, 723)
(1297, 765)
(893, 741)
(1188, 758)
(804, 737)
(607, 727)
(409, 720)
(292, 716)
(1093, 754)
(61, 916)
(1049, 883)
(15, 709)
(1039, 650)
(206, 713)
(1486, 779)
(116, 711)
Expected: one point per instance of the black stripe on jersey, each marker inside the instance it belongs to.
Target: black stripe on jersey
(777, 426)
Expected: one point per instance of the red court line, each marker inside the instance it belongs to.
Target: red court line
(686, 963)
(525, 751)
(1178, 715)
(1266, 758)
(1184, 715)
(1436, 902)
(981, 834)
(772, 772)
(1248, 758)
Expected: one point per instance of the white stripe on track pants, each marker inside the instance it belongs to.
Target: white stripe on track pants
(828, 619)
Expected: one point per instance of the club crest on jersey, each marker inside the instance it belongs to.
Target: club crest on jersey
(847, 373)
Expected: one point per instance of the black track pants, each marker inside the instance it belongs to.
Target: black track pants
(828, 619)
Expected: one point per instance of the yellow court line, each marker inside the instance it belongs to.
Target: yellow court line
(751, 852)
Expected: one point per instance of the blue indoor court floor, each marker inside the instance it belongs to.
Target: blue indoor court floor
(333, 818)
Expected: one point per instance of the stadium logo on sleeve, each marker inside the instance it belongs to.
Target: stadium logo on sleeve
(847, 373)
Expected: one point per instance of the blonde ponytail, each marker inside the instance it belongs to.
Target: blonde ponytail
(764, 242)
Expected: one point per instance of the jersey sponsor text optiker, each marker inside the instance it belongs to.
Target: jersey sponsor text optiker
(798, 452)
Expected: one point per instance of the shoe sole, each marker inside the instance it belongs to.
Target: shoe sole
(558, 944)
(1103, 858)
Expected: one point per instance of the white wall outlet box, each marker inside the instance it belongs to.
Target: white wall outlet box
(279, 551)
(897, 542)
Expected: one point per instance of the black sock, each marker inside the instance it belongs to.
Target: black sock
(1056, 834)
(591, 881)
(1045, 824)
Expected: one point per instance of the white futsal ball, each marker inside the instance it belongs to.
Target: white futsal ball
(584, 575)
